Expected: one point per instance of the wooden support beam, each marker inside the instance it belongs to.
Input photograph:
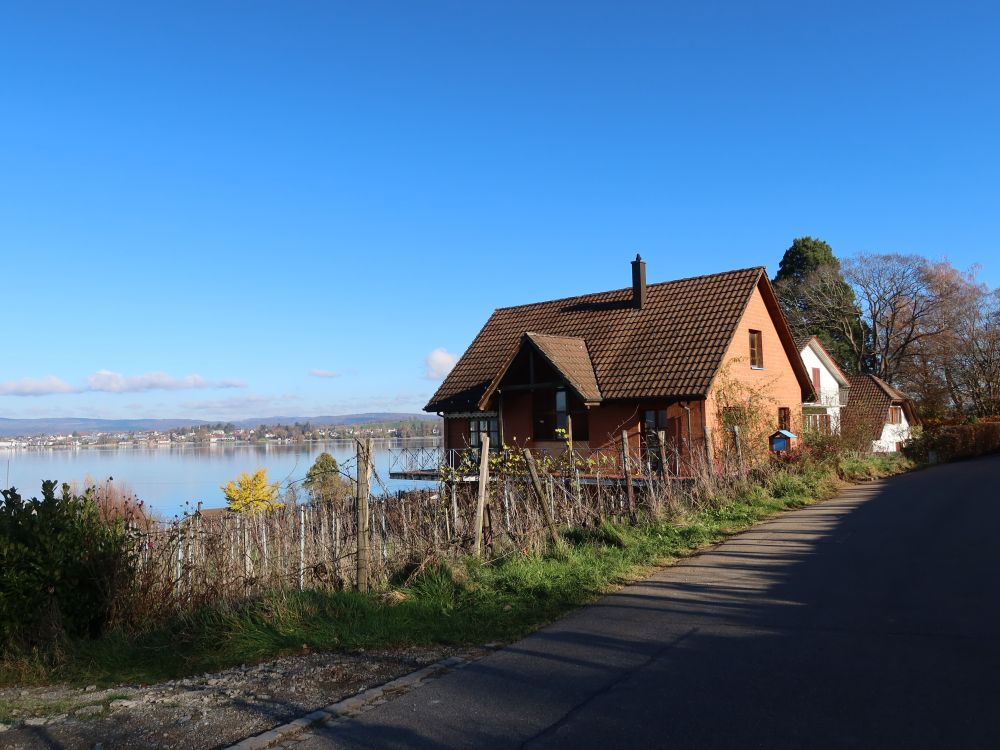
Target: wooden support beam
(536, 485)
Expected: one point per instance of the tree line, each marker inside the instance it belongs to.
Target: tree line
(921, 325)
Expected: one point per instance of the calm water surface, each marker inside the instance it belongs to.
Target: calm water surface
(167, 478)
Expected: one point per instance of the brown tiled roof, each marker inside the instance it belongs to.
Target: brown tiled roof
(671, 348)
(568, 355)
(868, 402)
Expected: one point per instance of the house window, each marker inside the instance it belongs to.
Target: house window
(562, 423)
(553, 412)
(815, 374)
(784, 418)
(489, 425)
(756, 350)
(654, 420)
(895, 415)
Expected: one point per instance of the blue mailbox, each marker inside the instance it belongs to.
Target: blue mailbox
(782, 440)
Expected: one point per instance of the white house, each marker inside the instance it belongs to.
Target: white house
(881, 411)
(829, 382)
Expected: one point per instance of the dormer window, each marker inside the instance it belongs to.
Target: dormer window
(756, 350)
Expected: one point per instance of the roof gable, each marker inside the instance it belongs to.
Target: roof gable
(868, 405)
(672, 347)
(824, 357)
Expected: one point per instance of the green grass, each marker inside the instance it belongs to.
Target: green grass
(874, 466)
(467, 602)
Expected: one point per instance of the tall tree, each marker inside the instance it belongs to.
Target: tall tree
(905, 303)
(804, 256)
(817, 301)
(323, 481)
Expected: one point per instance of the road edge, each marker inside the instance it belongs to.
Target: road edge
(350, 706)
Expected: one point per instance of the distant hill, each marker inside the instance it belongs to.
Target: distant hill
(66, 425)
(339, 419)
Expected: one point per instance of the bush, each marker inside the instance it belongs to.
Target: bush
(60, 566)
(786, 485)
(952, 442)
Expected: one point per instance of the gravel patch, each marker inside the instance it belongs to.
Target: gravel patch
(207, 711)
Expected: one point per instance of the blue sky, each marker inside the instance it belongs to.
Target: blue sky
(235, 209)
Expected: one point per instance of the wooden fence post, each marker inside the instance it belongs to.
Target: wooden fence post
(302, 547)
(364, 457)
(661, 439)
(484, 478)
(627, 474)
(536, 485)
(739, 447)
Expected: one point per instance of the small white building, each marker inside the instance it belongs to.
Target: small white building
(830, 384)
(878, 410)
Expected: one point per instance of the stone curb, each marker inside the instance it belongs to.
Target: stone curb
(349, 706)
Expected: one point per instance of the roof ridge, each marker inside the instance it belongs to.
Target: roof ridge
(628, 288)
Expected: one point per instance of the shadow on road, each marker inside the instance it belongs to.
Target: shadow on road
(872, 620)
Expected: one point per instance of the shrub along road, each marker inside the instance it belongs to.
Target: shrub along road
(871, 620)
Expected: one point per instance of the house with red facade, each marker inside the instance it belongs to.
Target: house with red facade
(640, 360)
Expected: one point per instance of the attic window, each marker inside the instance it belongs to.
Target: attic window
(756, 350)
(895, 415)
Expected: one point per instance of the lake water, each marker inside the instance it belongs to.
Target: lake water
(169, 477)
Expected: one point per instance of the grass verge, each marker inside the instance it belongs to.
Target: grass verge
(467, 602)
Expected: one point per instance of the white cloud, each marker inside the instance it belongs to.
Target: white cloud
(45, 386)
(105, 381)
(439, 363)
(113, 382)
(324, 373)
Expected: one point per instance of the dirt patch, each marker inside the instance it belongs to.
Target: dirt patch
(206, 711)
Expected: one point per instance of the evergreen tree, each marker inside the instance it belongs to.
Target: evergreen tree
(817, 301)
(323, 481)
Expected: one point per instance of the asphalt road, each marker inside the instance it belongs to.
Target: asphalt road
(870, 621)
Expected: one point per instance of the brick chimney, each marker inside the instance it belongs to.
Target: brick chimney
(638, 282)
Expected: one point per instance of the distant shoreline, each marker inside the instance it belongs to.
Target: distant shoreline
(218, 444)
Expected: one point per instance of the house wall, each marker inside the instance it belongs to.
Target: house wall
(606, 424)
(515, 410)
(456, 433)
(776, 381)
(829, 395)
(892, 434)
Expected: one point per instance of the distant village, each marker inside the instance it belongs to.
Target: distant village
(225, 433)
